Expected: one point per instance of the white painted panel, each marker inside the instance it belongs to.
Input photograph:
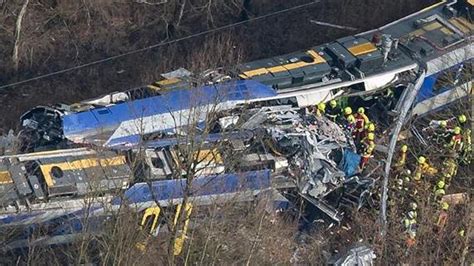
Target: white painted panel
(379, 81)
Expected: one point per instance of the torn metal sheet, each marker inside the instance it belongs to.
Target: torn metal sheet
(360, 255)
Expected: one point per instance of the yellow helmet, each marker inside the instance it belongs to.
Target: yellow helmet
(322, 107)
(441, 184)
(444, 205)
(413, 205)
(347, 110)
(443, 124)
(421, 159)
(361, 110)
(333, 103)
(404, 148)
(457, 130)
(462, 119)
(371, 127)
(351, 119)
(371, 136)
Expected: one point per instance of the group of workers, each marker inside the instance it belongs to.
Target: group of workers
(455, 140)
(359, 124)
(455, 134)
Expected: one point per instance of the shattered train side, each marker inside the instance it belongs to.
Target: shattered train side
(320, 155)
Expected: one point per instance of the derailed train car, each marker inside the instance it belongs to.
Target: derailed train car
(268, 151)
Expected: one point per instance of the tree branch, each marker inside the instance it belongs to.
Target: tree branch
(17, 34)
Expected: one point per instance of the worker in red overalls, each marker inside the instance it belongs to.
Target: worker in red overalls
(456, 140)
(361, 120)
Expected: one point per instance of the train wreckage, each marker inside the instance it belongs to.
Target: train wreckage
(273, 149)
(245, 132)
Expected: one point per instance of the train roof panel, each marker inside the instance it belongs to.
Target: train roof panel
(97, 122)
(433, 31)
(402, 45)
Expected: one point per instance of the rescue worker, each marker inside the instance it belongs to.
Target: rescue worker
(409, 223)
(366, 141)
(388, 99)
(369, 147)
(350, 123)
(400, 190)
(404, 185)
(370, 128)
(411, 240)
(450, 169)
(403, 156)
(333, 111)
(347, 111)
(361, 121)
(321, 109)
(399, 185)
(439, 190)
(456, 140)
(462, 121)
(423, 168)
(442, 132)
(443, 216)
(411, 188)
(412, 215)
(467, 147)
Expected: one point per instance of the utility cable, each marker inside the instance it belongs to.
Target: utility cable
(157, 45)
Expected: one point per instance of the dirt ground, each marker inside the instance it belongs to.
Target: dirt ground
(60, 34)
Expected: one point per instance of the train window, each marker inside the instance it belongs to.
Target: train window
(157, 162)
(56, 172)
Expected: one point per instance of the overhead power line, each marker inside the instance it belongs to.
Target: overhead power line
(157, 45)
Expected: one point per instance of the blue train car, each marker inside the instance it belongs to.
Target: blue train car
(64, 224)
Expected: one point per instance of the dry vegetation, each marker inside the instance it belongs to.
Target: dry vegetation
(60, 34)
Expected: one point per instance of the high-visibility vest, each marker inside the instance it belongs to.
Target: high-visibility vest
(403, 157)
(369, 148)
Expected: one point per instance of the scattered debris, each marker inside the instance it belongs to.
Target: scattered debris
(360, 255)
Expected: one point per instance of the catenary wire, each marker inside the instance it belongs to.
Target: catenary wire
(156, 45)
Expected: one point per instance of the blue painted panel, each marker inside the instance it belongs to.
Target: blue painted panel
(111, 117)
(201, 186)
(14, 218)
(96, 121)
(426, 90)
(80, 123)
